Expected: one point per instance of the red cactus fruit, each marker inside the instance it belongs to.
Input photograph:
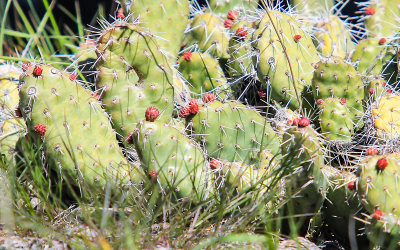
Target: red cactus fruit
(262, 93)
(304, 122)
(351, 185)
(26, 66)
(371, 90)
(209, 97)
(232, 15)
(316, 66)
(382, 41)
(40, 129)
(153, 174)
(37, 71)
(193, 106)
(372, 151)
(381, 164)
(185, 112)
(297, 38)
(241, 32)
(370, 11)
(343, 100)
(214, 164)
(296, 121)
(187, 56)
(384, 84)
(151, 114)
(120, 14)
(228, 23)
(72, 77)
(320, 101)
(389, 91)
(377, 214)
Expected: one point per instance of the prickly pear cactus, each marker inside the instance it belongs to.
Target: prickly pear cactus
(223, 6)
(207, 33)
(233, 132)
(333, 37)
(172, 158)
(385, 115)
(374, 89)
(10, 131)
(306, 186)
(335, 120)
(240, 50)
(242, 177)
(134, 74)
(59, 113)
(369, 55)
(381, 17)
(336, 78)
(204, 74)
(342, 203)
(272, 64)
(164, 18)
(9, 98)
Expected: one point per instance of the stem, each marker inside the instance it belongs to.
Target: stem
(286, 55)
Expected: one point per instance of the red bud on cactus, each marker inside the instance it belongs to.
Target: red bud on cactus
(187, 56)
(262, 93)
(184, 113)
(153, 174)
(241, 32)
(372, 151)
(343, 100)
(95, 95)
(214, 164)
(371, 90)
(320, 101)
(370, 11)
(297, 38)
(72, 77)
(381, 164)
(232, 14)
(228, 23)
(389, 91)
(120, 14)
(296, 121)
(193, 106)
(351, 185)
(26, 66)
(37, 71)
(151, 114)
(377, 214)
(209, 97)
(384, 84)
(304, 122)
(382, 41)
(316, 66)
(40, 129)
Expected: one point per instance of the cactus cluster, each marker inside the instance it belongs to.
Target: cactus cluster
(176, 86)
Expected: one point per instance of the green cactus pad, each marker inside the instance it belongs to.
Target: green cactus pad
(336, 78)
(208, 33)
(171, 157)
(164, 18)
(234, 132)
(272, 65)
(335, 120)
(134, 75)
(74, 128)
(204, 75)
